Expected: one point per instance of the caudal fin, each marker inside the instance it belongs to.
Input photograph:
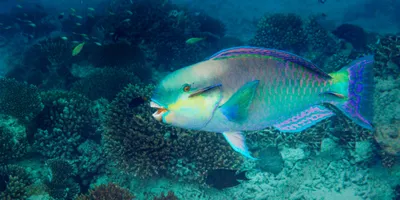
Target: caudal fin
(353, 84)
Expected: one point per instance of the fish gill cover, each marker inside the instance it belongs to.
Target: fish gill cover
(77, 80)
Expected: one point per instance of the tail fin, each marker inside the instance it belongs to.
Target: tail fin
(354, 85)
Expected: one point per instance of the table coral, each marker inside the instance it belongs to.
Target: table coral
(19, 100)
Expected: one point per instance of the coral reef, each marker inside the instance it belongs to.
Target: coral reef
(147, 149)
(13, 139)
(104, 83)
(60, 183)
(353, 34)
(19, 100)
(387, 57)
(15, 181)
(107, 192)
(65, 122)
(281, 31)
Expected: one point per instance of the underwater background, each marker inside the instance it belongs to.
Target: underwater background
(76, 78)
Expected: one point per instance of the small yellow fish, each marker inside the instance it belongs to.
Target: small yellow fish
(91, 9)
(77, 49)
(193, 40)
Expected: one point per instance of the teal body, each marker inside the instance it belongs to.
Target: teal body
(250, 88)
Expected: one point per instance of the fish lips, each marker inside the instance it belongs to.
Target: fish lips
(160, 110)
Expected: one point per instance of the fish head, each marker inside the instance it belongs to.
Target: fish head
(186, 98)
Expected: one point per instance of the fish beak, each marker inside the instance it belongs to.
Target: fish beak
(160, 111)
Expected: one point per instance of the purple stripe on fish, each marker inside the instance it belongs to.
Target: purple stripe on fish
(243, 50)
(304, 119)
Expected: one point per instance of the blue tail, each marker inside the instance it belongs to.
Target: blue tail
(355, 83)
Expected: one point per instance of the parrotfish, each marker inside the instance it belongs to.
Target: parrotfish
(250, 88)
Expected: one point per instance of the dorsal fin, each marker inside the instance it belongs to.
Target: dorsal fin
(248, 50)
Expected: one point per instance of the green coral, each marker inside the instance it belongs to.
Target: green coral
(19, 100)
(13, 139)
(16, 180)
(146, 148)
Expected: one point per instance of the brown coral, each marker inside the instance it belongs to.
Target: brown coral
(107, 192)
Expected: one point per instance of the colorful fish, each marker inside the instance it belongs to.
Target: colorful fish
(78, 49)
(250, 88)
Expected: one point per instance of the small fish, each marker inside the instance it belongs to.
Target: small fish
(8, 27)
(224, 178)
(1, 24)
(78, 49)
(250, 88)
(78, 24)
(79, 17)
(129, 12)
(64, 38)
(98, 44)
(84, 35)
(91, 9)
(25, 15)
(111, 13)
(32, 24)
(18, 6)
(90, 16)
(73, 10)
(126, 20)
(75, 42)
(193, 40)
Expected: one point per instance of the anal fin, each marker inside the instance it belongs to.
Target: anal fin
(237, 142)
(304, 119)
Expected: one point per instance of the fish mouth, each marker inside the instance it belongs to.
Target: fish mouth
(160, 111)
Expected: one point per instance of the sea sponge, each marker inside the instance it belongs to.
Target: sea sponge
(19, 100)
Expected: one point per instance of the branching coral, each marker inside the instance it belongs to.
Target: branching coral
(104, 83)
(13, 139)
(60, 184)
(14, 183)
(19, 100)
(64, 123)
(281, 31)
(147, 148)
(107, 192)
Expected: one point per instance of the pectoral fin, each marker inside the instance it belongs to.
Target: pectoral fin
(236, 108)
(237, 142)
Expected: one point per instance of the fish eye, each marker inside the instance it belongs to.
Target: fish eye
(186, 88)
